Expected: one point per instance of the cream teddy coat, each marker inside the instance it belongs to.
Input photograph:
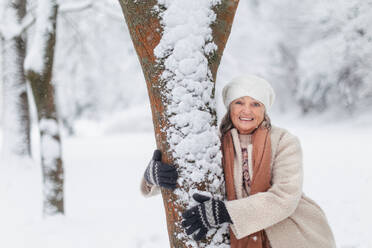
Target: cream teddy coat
(290, 219)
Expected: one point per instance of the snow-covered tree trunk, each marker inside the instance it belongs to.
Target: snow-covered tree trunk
(180, 44)
(16, 120)
(39, 65)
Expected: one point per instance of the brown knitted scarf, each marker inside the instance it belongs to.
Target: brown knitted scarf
(260, 182)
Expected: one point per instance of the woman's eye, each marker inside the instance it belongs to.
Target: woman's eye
(256, 104)
(238, 102)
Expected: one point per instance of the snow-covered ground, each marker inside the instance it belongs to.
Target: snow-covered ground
(104, 208)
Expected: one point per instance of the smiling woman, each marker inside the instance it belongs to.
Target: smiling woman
(262, 164)
(264, 175)
(247, 104)
(246, 114)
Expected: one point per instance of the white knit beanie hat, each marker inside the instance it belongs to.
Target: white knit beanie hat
(248, 85)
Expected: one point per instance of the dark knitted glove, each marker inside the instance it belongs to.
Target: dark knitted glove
(161, 174)
(209, 213)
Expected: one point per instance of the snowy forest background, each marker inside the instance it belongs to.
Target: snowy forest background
(317, 55)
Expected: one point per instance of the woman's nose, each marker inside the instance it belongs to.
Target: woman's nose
(246, 110)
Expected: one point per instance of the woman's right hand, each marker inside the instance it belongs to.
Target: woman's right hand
(161, 174)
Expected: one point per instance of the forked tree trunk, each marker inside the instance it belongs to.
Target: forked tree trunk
(39, 66)
(146, 32)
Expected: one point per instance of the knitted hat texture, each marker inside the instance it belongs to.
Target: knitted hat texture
(248, 85)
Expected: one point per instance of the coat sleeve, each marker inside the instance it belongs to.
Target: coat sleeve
(264, 209)
(148, 190)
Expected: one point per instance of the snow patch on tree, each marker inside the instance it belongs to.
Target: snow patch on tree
(13, 86)
(50, 147)
(51, 153)
(9, 25)
(14, 137)
(44, 26)
(192, 131)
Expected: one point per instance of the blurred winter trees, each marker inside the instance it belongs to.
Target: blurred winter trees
(61, 91)
(334, 70)
(96, 70)
(36, 64)
(317, 54)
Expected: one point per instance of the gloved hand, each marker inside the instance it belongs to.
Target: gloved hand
(161, 174)
(209, 213)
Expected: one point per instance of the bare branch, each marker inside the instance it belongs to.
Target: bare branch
(75, 7)
(27, 22)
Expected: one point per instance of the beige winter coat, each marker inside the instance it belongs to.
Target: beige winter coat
(290, 219)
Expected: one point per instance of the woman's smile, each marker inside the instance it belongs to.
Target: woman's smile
(246, 119)
(246, 114)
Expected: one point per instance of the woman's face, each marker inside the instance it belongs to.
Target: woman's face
(246, 114)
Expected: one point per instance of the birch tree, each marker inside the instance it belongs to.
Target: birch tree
(179, 45)
(16, 120)
(39, 65)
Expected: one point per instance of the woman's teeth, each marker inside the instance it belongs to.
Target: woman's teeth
(246, 119)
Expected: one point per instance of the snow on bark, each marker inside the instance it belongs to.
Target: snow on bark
(35, 59)
(15, 139)
(39, 65)
(189, 93)
(51, 157)
(14, 96)
(9, 25)
(50, 146)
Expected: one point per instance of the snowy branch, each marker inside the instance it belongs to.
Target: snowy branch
(8, 33)
(46, 14)
(75, 7)
(67, 8)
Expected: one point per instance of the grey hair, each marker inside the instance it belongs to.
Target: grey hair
(226, 123)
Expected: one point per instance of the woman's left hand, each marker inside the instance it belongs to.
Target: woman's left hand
(204, 216)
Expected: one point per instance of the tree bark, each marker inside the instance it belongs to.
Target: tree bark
(40, 78)
(146, 32)
(16, 118)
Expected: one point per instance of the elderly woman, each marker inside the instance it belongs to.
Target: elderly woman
(263, 172)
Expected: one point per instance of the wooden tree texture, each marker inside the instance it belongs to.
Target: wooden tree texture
(146, 31)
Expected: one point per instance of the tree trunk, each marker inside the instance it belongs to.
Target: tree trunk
(146, 32)
(39, 66)
(16, 118)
